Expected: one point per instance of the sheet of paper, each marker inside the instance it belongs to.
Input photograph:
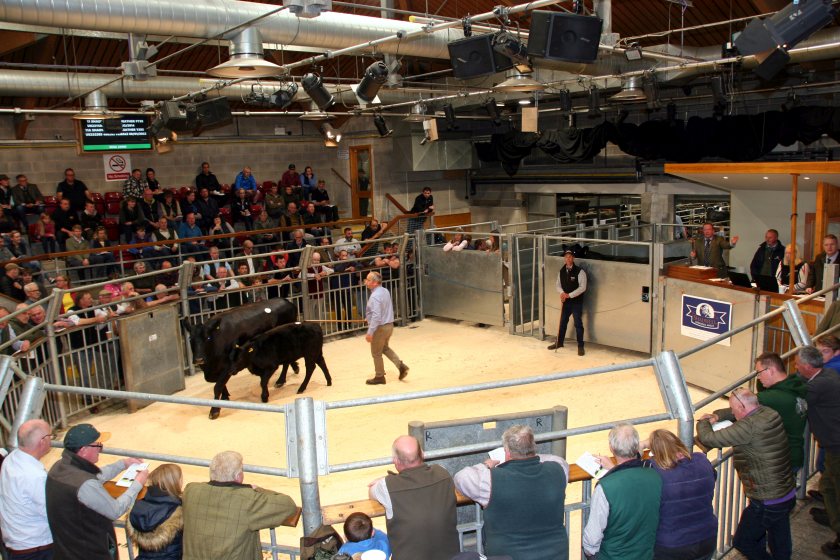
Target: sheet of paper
(497, 454)
(590, 464)
(131, 473)
(721, 425)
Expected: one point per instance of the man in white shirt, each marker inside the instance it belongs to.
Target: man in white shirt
(349, 244)
(23, 510)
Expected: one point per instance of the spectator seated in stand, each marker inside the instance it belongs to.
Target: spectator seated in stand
(153, 183)
(221, 227)
(169, 208)
(308, 182)
(142, 285)
(75, 191)
(163, 232)
(361, 536)
(248, 279)
(227, 290)
(389, 262)
(291, 178)
(167, 277)
(130, 299)
(149, 206)
(241, 210)
(142, 236)
(134, 185)
(291, 218)
(311, 219)
(207, 208)
(326, 208)
(188, 205)
(264, 221)
(20, 249)
(209, 271)
(65, 218)
(130, 217)
(275, 203)
(189, 228)
(207, 179)
(348, 243)
(7, 221)
(32, 292)
(81, 261)
(28, 198)
(45, 233)
(162, 295)
(246, 181)
(290, 195)
(90, 220)
(6, 203)
(5, 254)
(325, 250)
(100, 254)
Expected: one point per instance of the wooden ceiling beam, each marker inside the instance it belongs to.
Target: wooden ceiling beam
(15, 40)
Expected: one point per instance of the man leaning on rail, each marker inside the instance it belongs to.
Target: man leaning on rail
(80, 510)
(761, 456)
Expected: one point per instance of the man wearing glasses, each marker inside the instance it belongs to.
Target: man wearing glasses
(23, 512)
(762, 460)
(80, 510)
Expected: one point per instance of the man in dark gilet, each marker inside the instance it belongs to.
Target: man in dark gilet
(571, 284)
(419, 502)
(522, 498)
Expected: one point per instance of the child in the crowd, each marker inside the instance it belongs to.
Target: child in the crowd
(361, 536)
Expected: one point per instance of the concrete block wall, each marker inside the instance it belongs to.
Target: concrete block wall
(50, 147)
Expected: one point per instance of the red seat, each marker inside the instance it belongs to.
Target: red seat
(113, 196)
(226, 188)
(112, 208)
(112, 226)
(50, 204)
(256, 209)
(99, 202)
(32, 229)
(127, 259)
(226, 215)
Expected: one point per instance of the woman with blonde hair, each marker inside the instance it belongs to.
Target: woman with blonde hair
(156, 523)
(800, 267)
(687, 523)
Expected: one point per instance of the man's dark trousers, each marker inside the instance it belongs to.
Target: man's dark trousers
(762, 526)
(572, 307)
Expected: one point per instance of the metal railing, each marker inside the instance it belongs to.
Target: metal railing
(307, 444)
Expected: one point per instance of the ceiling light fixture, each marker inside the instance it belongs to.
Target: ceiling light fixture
(525, 101)
(96, 108)
(314, 88)
(516, 81)
(314, 114)
(594, 102)
(417, 113)
(331, 134)
(246, 58)
(374, 78)
(631, 91)
(633, 52)
(382, 126)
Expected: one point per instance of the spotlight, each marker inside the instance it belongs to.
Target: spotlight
(314, 87)
(331, 133)
(492, 110)
(510, 46)
(284, 95)
(467, 27)
(449, 114)
(594, 102)
(565, 100)
(382, 126)
(375, 76)
(417, 113)
(633, 52)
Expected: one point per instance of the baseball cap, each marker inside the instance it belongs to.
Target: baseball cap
(12, 266)
(4, 177)
(568, 252)
(81, 435)
(291, 166)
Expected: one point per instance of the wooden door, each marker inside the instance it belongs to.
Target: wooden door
(361, 180)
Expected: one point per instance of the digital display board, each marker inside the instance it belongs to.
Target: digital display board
(125, 133)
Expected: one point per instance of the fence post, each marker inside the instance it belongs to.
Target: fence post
(305, 259)
(184, 281)
(307, 457)
(675, 394)
(31, 401)
(402, 296)
(796, 325)
(53, 310)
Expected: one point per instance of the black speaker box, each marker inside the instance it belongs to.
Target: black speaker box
(472, 57)
(175, 116)
(771, 63)
(213, 112)
(564, 37)
(785, 28)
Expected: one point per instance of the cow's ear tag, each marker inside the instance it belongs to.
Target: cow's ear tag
(267, 310)
(250, 350)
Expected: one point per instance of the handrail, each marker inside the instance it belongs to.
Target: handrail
(383, 230)
(396, 203)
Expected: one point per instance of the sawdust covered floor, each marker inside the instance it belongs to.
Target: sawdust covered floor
(440, 354)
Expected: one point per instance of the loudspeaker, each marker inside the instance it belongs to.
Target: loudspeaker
(212, 113)
(786, 28)
(474, 56)
(175, 116)
(563, 36)
(771, 63)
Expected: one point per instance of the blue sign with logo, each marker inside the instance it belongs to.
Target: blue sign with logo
(704, 318)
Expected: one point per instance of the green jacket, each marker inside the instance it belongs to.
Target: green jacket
(761, 452)
(222, 520)
(788, 399)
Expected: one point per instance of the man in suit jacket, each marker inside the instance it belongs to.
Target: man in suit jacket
(708, 250)
(830, 255)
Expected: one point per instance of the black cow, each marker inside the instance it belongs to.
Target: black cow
(282, 346)
(213, 341)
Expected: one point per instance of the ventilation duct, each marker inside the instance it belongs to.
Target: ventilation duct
(96, 108)
(246, 58)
